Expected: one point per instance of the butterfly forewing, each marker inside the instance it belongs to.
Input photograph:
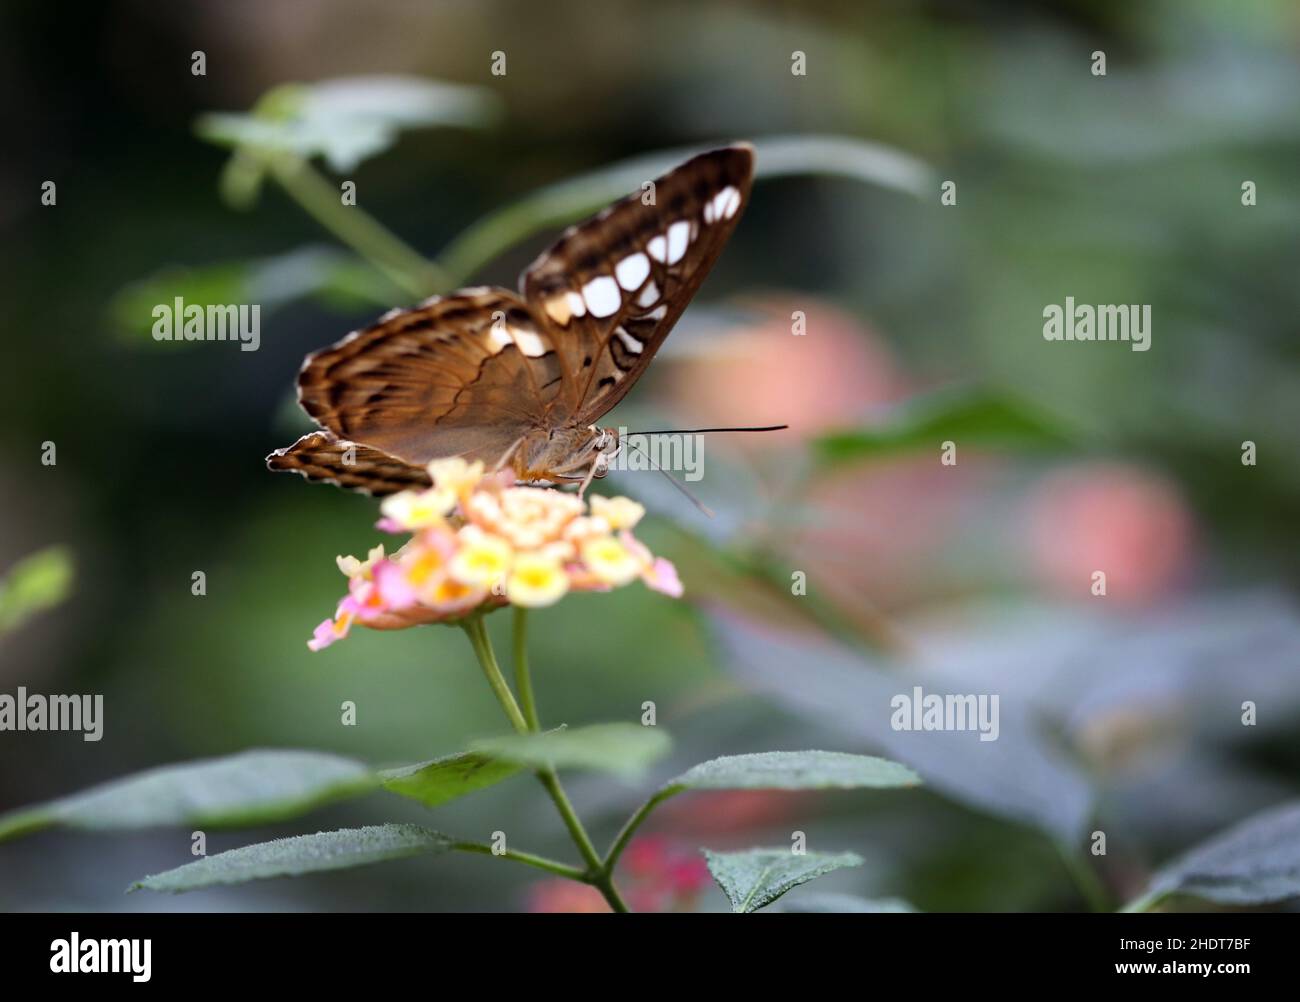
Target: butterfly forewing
(465, 374)
(610, 290)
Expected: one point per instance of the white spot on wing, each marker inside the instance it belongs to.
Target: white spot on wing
(679, 238)
(559, 310)
(658, 248)
(649, 295)
(498, 338)
(723, 204)
(629, 342)
(632, 271)
(528, 342)
(602, 296)
(577, 305)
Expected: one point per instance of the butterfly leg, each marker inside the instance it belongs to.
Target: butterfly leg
(505, 456)
(597, 469)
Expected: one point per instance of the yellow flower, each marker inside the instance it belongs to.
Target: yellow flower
(456, 475)
(530, 517)
(585, 527)
(526, 516)
(352, 567)
(421, 565)
(478, 544)
(412, 510)
(483, 508)
(536, 580)
(560, 551)
(482, 559)
(619, 512)
(452, 596)
(610, 561)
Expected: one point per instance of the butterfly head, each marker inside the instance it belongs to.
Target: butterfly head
(605, 447)
(592, 460)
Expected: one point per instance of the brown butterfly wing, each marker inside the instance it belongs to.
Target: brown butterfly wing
(322, 457)
(611, 289)
(462, 375)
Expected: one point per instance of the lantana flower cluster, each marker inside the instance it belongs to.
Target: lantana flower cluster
(479, 542)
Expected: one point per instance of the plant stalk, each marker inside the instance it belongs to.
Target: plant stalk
(359, 230)
(596, 874)
(527, 858)
(523, 678)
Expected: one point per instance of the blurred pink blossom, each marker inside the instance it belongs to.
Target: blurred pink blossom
(656, 874)
(1118, 518)
(826, 378)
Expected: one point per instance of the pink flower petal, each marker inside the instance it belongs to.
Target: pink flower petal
(323, 636)
(662, 577)
(392, 588)
(689, 875)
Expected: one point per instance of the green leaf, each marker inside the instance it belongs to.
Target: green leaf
(1257, 861)
(775, 156)
(346, 120)
(843, 903)
(254, 787)
(798, 770)
(972, 418)
(37, 582)
(324, 273)
(1023, 775)
(802, 770)
(757, 877)
(443, 779)
(626, 749)
(293, 857)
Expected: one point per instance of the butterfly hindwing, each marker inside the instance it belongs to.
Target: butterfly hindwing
(610, 290)
(465, 374)
(322, 457)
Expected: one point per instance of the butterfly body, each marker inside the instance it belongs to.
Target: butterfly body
(519, 380)
(565, 454)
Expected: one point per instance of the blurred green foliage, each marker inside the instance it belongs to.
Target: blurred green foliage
(1119, 189)
(34, 584)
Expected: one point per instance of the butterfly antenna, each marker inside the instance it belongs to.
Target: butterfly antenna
(702, 431)
(672, 480)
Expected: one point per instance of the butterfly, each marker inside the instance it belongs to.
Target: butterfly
(519, 380)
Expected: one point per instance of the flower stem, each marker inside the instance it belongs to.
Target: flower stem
(596, 873)
(523, 679)
(360, 231)
(487, 660)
